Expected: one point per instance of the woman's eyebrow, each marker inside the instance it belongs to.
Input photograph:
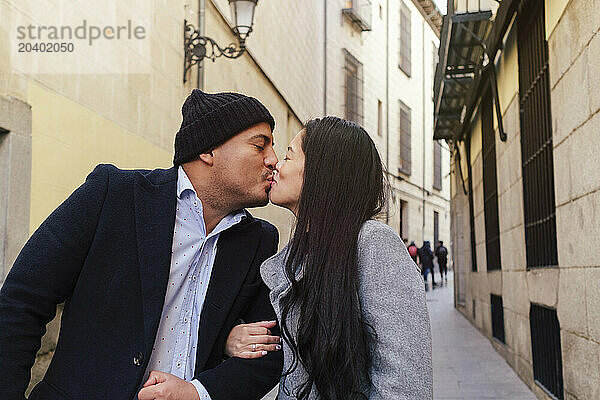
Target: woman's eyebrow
(290, 149)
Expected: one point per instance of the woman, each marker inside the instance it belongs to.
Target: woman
(349, 299)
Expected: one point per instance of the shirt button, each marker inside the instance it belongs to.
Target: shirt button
(138, 359)
(178, 364)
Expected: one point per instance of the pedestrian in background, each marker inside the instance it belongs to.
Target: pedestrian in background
(441, 252)
(426, 263)
(413, 251)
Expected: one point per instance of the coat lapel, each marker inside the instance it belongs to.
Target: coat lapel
(236, 250)
(155, 205)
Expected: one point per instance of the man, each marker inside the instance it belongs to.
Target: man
(155, 268)
(426, 263)
(441, 252)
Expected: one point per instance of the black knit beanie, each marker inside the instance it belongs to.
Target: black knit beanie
(209, 120)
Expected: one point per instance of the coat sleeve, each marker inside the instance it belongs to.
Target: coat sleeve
(44, 275)
(393, 302)
(248, 379)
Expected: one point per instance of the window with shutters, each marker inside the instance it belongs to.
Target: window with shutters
(404, 51)
(437, 165)
(536, 137)
(404, 164)
(490, 185)
(353, 71)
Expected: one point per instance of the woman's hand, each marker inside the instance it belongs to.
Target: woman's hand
(252, 340)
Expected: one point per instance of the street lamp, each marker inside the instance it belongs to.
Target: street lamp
(196, 46)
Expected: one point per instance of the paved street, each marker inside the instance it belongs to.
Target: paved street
(465, 365)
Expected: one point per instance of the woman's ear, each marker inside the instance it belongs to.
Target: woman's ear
(207, 158)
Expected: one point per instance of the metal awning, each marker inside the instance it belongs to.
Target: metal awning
(462, 59)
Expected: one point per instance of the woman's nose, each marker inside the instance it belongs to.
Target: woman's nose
(278, 165)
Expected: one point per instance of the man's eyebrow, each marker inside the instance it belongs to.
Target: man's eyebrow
(263, 137)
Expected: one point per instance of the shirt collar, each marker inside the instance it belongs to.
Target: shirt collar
(184, 183)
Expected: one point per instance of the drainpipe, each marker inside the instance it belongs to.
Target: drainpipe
(387, 101)
(201, 29)
(324, 57)
(423, 127)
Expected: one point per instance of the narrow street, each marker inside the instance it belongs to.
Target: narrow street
(465, 365)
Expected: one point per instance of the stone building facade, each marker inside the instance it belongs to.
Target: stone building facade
(525, 206)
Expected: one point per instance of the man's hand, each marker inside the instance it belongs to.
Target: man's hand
(163, 386)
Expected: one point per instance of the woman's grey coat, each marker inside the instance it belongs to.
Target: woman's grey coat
(392, 298)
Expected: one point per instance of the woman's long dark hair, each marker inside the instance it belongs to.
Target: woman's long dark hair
(343, 187)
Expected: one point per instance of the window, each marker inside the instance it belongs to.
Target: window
(546, 350)
(437, 165)
(353, 88)
(436, 228)
(359, 12)
(497, 317)
(471, 208)
(403, 219)
(404, 42)
(536, 138)
(490, 184)
(404, 164)
(379, 118)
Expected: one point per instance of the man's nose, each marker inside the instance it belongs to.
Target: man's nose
(271, 159)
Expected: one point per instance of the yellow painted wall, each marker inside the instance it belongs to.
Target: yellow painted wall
(68, 141)
(475, 137)
(554, 10)
(508, 73)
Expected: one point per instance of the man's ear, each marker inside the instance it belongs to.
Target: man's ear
(207, 158)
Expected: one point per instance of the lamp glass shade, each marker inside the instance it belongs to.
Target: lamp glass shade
(242, 12)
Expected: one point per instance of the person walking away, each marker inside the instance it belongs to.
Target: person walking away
(413, 251)
(441, 252)
(426, 262)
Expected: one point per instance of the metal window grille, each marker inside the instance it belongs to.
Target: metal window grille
(404, 53)
(546, 350)
(497, 317)
(437, 165)
(536, 137)
(353, 88)
(471, 207)
(404, 162)
(436, 228)
(490, 185)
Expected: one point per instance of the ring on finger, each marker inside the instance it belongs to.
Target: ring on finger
(254, 347)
